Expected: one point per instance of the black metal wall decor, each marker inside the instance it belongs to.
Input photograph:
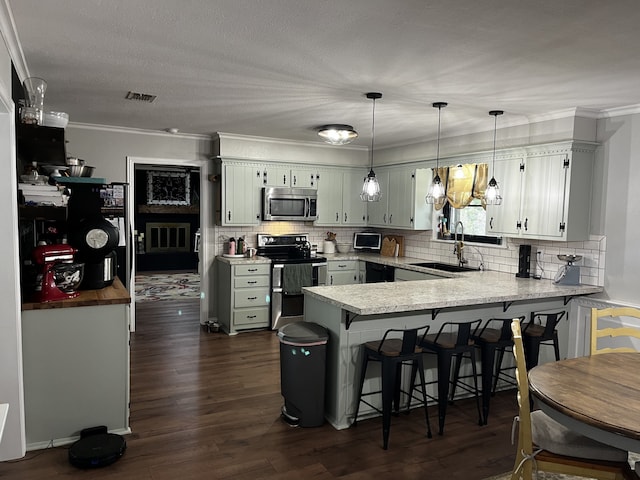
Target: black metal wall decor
(168, 188)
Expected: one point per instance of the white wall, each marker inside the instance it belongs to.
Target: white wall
(619, 212)
(107, 148)
(12, 444)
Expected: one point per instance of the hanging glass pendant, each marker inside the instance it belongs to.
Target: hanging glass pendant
(436, 191)
(371, 188)
(492, 193)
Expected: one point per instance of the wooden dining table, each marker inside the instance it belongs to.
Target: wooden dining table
(597, 396)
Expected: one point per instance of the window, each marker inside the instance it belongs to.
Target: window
(473, 218)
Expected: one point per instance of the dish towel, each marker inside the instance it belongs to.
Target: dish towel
(296, 276)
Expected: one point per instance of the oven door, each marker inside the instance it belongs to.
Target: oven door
(287, 308)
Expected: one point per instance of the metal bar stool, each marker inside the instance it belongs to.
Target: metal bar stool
(494, 337)
(541, 330)
(454, 339)
(393, 353)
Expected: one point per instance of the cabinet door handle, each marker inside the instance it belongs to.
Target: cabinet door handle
(251, 316)
(384, 218)
(312, 182)
(526, 221)
(491, 223)
(391, 218)
(252, 269)
(337, 216)
(284, 179)
(295, 180)
(331, 280)
(345, 217)
(252, 282)
(252, 298)
(229, 215)
(342, 266)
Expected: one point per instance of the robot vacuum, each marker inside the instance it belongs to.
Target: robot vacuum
(96, 448)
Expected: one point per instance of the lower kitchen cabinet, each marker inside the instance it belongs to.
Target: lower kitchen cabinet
(76, 372)
(243, 296)
(342, 272)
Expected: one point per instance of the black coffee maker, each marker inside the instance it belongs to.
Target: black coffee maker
(94, 237)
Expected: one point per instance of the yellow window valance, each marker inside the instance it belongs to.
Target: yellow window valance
(463, 183)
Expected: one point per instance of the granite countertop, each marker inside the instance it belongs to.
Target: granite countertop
(460, 289)
(243, 260)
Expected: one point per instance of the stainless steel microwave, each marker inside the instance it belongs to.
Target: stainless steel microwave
(289, 204)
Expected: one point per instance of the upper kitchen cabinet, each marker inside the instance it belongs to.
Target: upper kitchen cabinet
(554, 183)
(402, 204)
(238, 199)
(280, 175)
(339, 202)
(504, 219)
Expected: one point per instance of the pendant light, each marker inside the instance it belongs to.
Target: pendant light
(436, 190)
(492, 194)
(371, 188)
(337, 134)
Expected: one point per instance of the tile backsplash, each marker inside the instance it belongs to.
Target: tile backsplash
(421, 245)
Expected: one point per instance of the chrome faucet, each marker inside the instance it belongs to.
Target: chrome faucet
(459, 245)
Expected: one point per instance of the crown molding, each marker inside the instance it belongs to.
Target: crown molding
(137, 131)
(12, 41)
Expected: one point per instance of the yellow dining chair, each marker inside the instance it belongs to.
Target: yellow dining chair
(597, 331)
(545, 445)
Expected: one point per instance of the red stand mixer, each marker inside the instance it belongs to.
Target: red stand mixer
(59, 277)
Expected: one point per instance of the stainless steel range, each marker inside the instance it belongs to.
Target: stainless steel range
(292, 267)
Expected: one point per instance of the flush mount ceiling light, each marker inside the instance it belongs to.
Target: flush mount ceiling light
(337, 134)
(492, 194)
(371, 188)
(436, 190)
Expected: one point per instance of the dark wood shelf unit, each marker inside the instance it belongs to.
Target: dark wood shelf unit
(169, 209)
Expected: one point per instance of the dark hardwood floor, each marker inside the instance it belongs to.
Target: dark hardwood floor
(206, 405)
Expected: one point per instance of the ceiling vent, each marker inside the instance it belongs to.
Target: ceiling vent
(141, 97)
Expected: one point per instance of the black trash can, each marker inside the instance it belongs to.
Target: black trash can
(303, 352)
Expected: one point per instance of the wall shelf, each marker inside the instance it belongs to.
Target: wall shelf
(169, 209)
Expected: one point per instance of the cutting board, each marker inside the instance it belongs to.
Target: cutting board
(397, 241)
(388, 248)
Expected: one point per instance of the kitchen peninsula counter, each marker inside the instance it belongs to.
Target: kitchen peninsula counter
(355, 314)
(452, 290)
(115, 294)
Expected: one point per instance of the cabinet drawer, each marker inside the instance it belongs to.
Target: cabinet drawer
(340, 266)
(261, 269)
(250, 281)
(254, 317)
(251, 297)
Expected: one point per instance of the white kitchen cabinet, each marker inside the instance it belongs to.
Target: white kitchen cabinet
(504, 219)
(240, 194)
(339, 202)
(282, 175)
(243, 296)
(342, 272)
(402, 204)
(554, 194)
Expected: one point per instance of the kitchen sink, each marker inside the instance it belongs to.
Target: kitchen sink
(446, 267)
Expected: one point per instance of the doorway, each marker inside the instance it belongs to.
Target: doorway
(168, 215)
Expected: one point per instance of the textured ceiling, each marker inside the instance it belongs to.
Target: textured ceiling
(280, 68)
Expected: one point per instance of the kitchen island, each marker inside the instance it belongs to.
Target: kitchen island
(355, 314)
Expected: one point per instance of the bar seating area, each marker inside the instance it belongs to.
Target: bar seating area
(454, 344)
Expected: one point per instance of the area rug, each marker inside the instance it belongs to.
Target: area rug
(166, 286)
(633, 458)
